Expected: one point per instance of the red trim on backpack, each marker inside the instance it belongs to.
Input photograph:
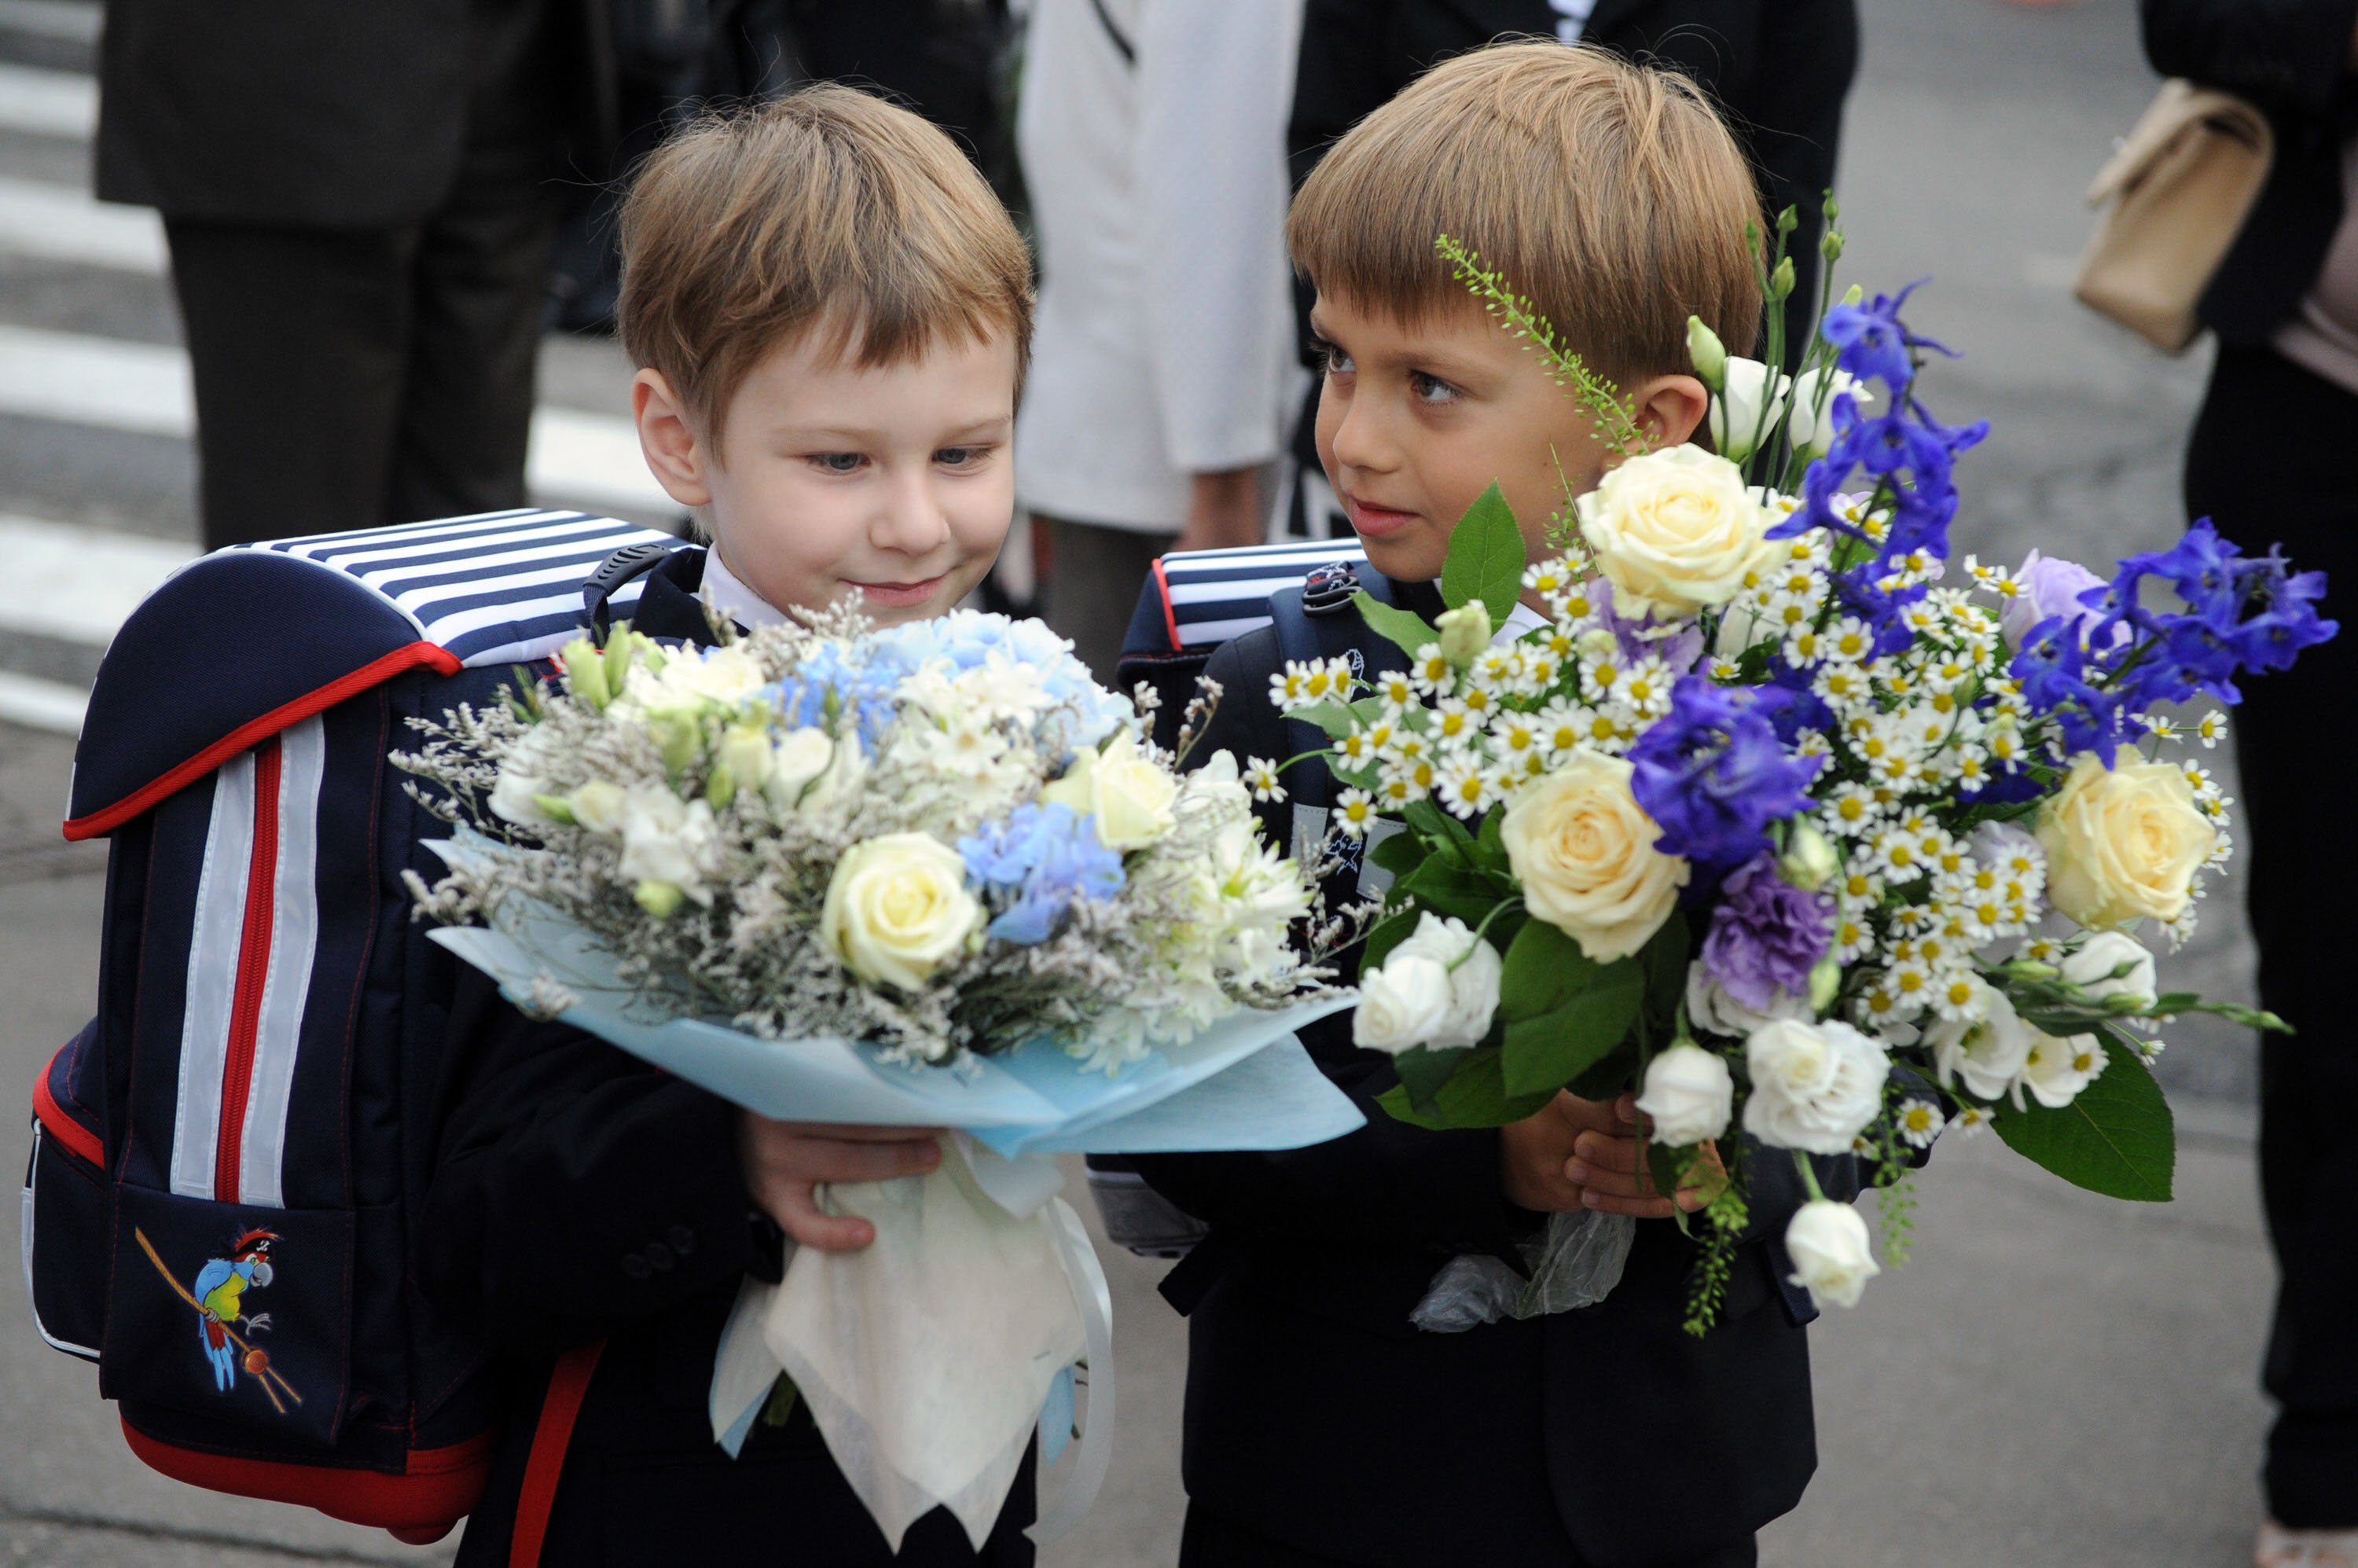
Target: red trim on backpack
(58, 1124)
(1169, 616)
(439, 1486)
(374, 673)
(566, 1387)
(253, 973)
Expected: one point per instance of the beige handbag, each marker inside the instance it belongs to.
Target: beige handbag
(2180, 185)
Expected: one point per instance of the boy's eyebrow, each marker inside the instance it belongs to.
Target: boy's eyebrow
(988, 424)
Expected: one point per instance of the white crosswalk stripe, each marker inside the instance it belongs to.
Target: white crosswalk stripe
(58, 222)
(78, 585)
(589, 459)
(47, 103)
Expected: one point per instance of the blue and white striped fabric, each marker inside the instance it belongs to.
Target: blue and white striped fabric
(500, 588)
(1211, 597)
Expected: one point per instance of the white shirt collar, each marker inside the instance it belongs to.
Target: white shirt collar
(733, 599)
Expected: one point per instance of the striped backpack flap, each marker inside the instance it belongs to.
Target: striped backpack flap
(226, 1158)
(1194, 600)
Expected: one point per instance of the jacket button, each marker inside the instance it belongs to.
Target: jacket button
(683, 1239)
(636, 1267)
(659, 1255)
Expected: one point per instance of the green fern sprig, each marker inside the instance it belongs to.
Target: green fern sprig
(1727, 1216)
(1616, 424)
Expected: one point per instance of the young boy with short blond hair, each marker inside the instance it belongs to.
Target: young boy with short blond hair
(830, 313)
(1322, 1428)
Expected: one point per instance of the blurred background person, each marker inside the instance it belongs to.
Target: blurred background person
(1779, 71)
(360, 207)
(1151, 134)
(2274, 456)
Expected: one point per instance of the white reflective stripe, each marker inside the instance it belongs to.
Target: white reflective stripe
(24, 1231)
(402, 553)
(1374, 881)
(447, 629)
(473, 522)
(220, 927)
(1220, 630)
(575, 570)
(527, 649)
(1256, 587)
(294, 939)
(1265, 556)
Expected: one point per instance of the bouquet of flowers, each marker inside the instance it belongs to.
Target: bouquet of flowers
(1780, 818)
(927, 876)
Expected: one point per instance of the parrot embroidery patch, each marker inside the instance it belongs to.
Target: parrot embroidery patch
(218, 1296)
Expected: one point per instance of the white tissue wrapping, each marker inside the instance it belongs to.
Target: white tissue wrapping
(925, 1356)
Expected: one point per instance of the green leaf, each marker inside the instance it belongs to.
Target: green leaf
(1436, 824)
(1667, 1166)
(1404, 629)
(1423, 1073)
(1665, 959)
(1475, 1096)
(1389, 932)
(1613, 1073)
(1453, 889)
(1548, 1052)
(1491, 844)
(2116, 1137)
(1485, 557)
(1401, 853)
(1336, 719)
(1543, 970)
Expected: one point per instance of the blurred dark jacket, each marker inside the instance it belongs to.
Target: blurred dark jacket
(2293, 58)
(342, 116)
(1779, 71)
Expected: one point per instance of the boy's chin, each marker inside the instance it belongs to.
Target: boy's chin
(1411, 559)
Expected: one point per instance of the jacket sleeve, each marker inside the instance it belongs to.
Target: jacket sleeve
(1388, 1181)
(2286, 55)
(577, 1188)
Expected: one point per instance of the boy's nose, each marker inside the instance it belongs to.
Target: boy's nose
(912, 521)
(1359, 439)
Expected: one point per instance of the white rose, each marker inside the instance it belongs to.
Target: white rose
(1129, 796)
(897, 908)
(1219, 783)
(838, 780)
(1986, 1051)
(1582, 848)
(2121, 842)
(1711, 1010)
(720, 675)
(523, 774)
(1736, 417)
(2090, 969)
(1473, 979)
(1401, 1005)
(798, 757)
(1827, 1242)
(1676, 531)
(1690, 1094)
(1814, 1085)
(1812, 428)
(2056, 1070)
(599, 806)
(664, 840)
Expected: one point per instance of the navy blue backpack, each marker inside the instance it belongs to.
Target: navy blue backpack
(228, 1159)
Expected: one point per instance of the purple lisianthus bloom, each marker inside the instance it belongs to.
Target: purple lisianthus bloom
(1679, 650)
(2051, 587)
(1767, 935)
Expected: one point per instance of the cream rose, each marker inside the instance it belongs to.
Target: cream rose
(1403, 1005)
(1584, 849)
(1827, 1242)
(1675, 531)
(897, 908)
(2121, 842)
(1690, 1094)
(1814, 1085)
(1129, 797)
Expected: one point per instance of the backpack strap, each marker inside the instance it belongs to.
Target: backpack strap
(626, 565)
(567, 1385)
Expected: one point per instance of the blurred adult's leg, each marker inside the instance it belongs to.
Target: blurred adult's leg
(1208, 1540)
(478, 289)
(2274, 458)
(1094, 575)
(297, 339)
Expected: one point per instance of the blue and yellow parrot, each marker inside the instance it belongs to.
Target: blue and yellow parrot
(220, 1291)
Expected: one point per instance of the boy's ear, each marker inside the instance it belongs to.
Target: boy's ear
(680, 459)
(1670, 408)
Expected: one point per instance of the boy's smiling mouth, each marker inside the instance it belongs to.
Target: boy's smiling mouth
(897, 594)
(1371, 521)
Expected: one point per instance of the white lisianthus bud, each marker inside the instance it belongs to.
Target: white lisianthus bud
(1827, 1242)
(1986, 1049)
(1706, 353)
(745, 751)
(1690, 1094)
(2056, 1070)
(798, 757)
(2090, 969)
(1736, 417)
(523, 773)
(1814, 1085)
(1474, 967)
(897, 908)
(1401, 1005)
(1812, 428)
(599, 807)
(1465, 632)
(665, 841)
(1810, 861)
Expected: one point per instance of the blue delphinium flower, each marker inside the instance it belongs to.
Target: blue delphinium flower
(1712, 775)
(1871, 341)
(1042, 857)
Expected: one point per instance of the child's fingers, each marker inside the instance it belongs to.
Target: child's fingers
(1611, 1184)
(796, 1210)
(1601, 1152)
(860, 1133)
(833, 1159)
(1637, 1208)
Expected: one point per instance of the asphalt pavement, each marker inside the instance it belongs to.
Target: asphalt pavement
(2055, 1378)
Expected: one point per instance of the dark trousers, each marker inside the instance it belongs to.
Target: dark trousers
(1091, 587)
(2275, 458)
(348, 380)
(1211, 1542)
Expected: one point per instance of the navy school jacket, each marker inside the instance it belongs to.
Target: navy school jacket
(1317, 1415)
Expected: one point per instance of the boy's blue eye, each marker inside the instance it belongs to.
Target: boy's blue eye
(837, 462)
(960, 457)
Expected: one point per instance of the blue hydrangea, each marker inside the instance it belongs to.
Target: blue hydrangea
(1035, 864)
